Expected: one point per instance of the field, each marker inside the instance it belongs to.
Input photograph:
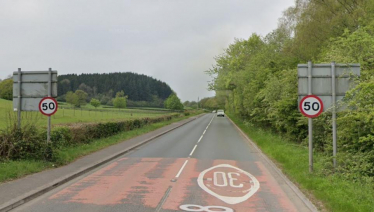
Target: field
(67, 115)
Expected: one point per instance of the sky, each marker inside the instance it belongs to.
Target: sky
(174, 41)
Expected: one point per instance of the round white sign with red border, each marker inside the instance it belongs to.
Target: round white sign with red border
(311, 106)
(48, 106)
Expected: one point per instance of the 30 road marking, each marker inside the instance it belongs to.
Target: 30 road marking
(241, 184)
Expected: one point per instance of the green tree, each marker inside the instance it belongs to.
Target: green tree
(119, 102)
(82, 97)
(173, 102)
(72, 98)
(95, 102)
(6, 89)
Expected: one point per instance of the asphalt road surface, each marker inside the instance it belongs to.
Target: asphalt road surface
(206, 166)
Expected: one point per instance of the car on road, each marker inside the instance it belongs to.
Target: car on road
(220, 113)
(214, 111)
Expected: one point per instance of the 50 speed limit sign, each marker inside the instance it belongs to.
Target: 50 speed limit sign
(311, 106)
(48, 106)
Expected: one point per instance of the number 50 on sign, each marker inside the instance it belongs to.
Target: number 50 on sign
(311, 106)
(48, 106)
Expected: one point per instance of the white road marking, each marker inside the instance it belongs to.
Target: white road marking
(193, 150)
(180, 170)
(227, 199)
(201, 137)
(204, 132)
(199, 208)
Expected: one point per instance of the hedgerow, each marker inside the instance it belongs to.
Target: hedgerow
(30, 141)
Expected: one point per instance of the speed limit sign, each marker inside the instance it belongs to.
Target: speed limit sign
(48, 106)
(311, 106)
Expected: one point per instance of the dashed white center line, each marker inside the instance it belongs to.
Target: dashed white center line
(180, 170)
(185, 163)
(193, 150)
(201, 137)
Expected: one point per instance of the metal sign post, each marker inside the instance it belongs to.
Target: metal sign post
(329, 82)
(49, 95)
(29, 88)
(310, 120)
(333, 97)
(19, 99)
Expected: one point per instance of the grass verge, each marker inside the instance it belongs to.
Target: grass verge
(10, 170)
(328, 192)
(65, 116)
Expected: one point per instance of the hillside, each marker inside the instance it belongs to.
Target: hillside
(137, 87)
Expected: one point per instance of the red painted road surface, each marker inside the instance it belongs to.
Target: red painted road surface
(204, 166)
(143, 183)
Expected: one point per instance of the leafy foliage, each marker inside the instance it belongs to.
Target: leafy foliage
(173, 103)
(30, 141)
(6, 89)
(95, 102)
(256, 78)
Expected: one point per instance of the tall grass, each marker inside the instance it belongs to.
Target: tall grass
(335, 192)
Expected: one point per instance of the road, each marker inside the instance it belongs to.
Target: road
(206, 165)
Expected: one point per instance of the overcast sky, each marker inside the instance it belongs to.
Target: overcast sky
(174, 41)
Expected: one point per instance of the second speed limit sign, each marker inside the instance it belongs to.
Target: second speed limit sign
(311, 106)
(48, 106)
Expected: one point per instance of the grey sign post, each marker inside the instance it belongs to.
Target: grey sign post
(329, 82)
(29, 88)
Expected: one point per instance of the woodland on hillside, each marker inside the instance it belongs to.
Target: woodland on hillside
(256, 78)
(141, 90)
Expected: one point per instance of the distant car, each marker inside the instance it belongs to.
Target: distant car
(220, 113)
(214, 111)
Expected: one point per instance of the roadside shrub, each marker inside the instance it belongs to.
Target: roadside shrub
(61, 136)
(31, 142)
(27, 143)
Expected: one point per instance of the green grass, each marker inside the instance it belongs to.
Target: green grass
(68, 116)
(334, 192)
(15, 169)
(10, 170)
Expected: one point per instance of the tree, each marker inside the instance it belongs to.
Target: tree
(119, 102)
(72, 98)
(82, 97)
(173, 102)
(120, 94)
(6, 89)
(95, 102)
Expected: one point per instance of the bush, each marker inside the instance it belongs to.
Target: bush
(31, 142)
(28, 143)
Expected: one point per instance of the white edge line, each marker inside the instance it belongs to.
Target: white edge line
(193, 150)
(180, 171)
